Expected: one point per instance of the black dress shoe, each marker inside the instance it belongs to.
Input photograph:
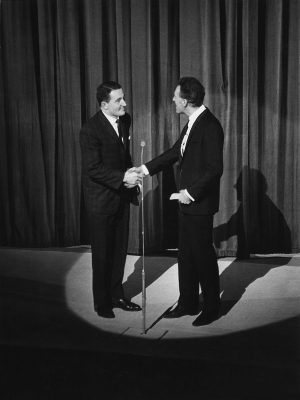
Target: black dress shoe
(126, 305)
(180, 311)
(206, 318)
(105, 312)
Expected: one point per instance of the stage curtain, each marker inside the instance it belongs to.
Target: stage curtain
(245, 52)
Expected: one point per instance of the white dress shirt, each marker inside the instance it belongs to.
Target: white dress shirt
(192, 119)
(114, 123)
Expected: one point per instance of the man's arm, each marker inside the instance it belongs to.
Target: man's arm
(161, 162)
(164, 160)
(213, 152)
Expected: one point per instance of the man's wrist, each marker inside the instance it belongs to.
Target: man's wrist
(145, 170)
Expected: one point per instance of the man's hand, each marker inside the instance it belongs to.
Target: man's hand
(183, 198)
(132, 178)
(140, 171)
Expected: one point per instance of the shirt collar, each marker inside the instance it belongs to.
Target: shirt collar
(111, 119)
(195, 115)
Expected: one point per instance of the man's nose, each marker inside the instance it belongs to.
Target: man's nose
(123, 103)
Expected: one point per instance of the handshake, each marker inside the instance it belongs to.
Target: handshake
(133, 177)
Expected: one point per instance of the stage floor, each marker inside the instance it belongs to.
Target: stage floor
(46, 303)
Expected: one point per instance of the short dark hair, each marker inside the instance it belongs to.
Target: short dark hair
(103, 90)
(191, 90)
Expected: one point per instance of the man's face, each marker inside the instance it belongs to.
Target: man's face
(115, 107)
(180, 103)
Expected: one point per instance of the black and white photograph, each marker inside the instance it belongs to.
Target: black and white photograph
(150, 199)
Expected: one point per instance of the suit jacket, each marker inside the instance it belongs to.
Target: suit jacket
(201, 166)
(104, 162)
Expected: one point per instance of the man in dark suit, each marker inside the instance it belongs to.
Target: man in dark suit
(109, 185)
(199, 151)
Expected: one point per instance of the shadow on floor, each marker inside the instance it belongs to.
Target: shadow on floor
(240, 274)
(155, 267)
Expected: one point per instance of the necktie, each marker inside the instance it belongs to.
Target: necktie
(119, 133)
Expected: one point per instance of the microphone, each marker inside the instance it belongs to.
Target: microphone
(143, 144)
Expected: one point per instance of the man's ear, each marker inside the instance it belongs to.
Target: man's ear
(104, 104)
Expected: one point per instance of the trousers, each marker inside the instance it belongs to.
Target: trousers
(197, 262)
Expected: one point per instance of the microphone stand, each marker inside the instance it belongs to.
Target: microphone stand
(143, 245)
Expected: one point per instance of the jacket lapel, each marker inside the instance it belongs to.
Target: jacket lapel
(194, 129)
(122, 132)
(182, 136)
(107, 125)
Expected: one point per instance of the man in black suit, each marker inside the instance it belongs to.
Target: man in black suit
(199, 151)
(109, 185)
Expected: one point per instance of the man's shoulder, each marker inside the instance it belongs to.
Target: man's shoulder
(94, 119)
(208, 115)
(98, 122)
(99, 117)
(210, 119)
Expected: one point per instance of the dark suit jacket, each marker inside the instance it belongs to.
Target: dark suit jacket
(200, 167)
(104, 162)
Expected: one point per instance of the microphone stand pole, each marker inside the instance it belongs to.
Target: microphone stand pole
(143, 246)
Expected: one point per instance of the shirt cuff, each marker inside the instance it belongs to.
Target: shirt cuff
(145, 169)
(188, 195)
